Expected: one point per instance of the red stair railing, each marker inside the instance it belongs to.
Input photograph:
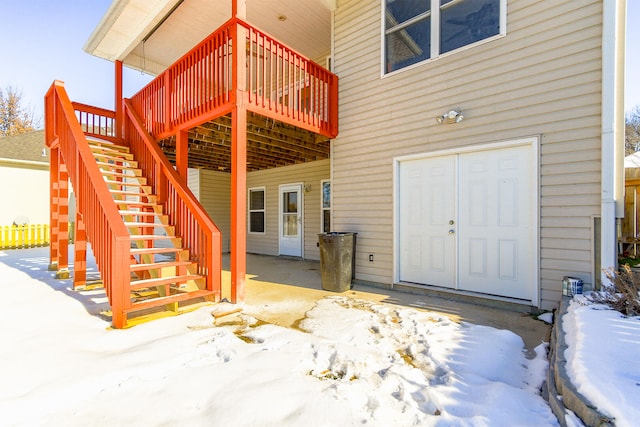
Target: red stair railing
(198, 232)
(106, 231)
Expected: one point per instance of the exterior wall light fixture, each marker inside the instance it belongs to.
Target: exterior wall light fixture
(453, 116)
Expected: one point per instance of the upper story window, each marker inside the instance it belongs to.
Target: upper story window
(417, 30)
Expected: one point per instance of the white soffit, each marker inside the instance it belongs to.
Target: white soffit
(124, 25)
(306, 27)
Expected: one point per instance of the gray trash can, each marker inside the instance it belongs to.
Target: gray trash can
(337, 260)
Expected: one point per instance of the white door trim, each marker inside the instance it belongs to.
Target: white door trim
(298, 186)
(534, 142)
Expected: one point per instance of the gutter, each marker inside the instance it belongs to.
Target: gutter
(612, 146)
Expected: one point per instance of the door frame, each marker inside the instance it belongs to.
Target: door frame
(534, 143)
(299, 186)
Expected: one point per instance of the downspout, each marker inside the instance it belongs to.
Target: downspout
(613, 34)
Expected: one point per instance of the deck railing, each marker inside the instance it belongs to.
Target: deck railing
(192, 224)
(97, 122)
(105, 228)
(279, 83)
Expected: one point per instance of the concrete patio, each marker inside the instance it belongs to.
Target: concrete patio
(281, 290)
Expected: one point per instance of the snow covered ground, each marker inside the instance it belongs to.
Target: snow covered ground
(603, 359)
(351, 362)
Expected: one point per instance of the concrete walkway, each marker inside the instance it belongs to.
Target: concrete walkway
(281, 290)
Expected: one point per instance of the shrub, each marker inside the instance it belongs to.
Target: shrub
(623, 294)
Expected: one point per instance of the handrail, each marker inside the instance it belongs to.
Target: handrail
(95, 121)
(106, 231)
(280, 83)
(199, 234)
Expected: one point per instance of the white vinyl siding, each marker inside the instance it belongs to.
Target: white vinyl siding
(310, 175)
(214, 190)
(542, 79)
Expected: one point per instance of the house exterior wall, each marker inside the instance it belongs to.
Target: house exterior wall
(309, 174)
(25, 193)
(213, 189)
(542, 79)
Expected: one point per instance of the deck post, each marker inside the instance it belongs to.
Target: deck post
(239, 161)
(80, 253)
(53, 208)
(63, 219)
(182, 153)
(118, 101)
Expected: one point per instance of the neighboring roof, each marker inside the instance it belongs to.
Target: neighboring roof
(25, 147)
(632, 161)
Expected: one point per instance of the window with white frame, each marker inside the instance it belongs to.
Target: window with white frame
(257, 215)
(417, 30)
(325, 205)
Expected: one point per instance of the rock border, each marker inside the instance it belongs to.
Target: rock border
(559, 391)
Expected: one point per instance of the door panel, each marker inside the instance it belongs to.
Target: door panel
(426, 207)
(466, 221)
(291, 220)
(496, 212)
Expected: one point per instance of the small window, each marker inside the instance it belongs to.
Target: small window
(257, 210)
(326, 206)
(417, 30)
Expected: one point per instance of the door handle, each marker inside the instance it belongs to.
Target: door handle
(452, 231)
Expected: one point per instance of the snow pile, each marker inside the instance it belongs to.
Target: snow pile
(603, 358)
(350, 363)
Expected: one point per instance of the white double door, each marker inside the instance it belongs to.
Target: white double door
(466, 222)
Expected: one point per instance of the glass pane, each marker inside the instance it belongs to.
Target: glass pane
(326, 194)
(256, 200)
(466, 22)
(290, 202)
(256, 222)
(408, 45)
(326, 221)
(290, 225)
(399, 11)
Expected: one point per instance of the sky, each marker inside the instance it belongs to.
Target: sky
(43, 40)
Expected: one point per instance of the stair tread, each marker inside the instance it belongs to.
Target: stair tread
(160, 264)
(112, 154)
(155, 302)
(151, 237)
(134, 203)
(148, 251)
(139, 213)
(130, 164)
(146, 224)
(160, 281)
(125, 183)
(132, 193)
(137, 175)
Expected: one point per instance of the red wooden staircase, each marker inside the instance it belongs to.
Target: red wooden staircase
(154, 244)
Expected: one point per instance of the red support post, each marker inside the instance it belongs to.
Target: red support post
(54, 160)
(182, 153)
(238, 203)
(119, 106)
(239, 158)
(80, 253)
(63, 219)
